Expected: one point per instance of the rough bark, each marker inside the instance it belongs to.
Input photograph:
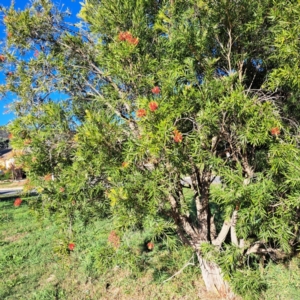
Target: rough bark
(211, 272)
(213, 279)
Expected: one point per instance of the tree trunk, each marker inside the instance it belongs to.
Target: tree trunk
(213, 279)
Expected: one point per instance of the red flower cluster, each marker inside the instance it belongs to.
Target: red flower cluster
(124, 35)
(2, 57)
(150, 246)
(177, 136)
(36, 53)
(155, 90)
(127, 36)
(275, 131)
(114, 239)
(48, 177)
(17, 202)
(71, 246)
(141, 113)
(153, 105)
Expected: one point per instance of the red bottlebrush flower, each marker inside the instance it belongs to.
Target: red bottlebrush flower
(177, 136)
(71, 246)
(153, 105)
(2, 57)
(114, 239)
(48, 177)
(127, 36)
(275, 131)
(17, 202)
(155, 90)
(124, 164)
(141, 113)
(123, 36)
(133, 41)
(36, 53)
(150, 246)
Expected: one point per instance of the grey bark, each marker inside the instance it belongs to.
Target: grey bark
(213, 279)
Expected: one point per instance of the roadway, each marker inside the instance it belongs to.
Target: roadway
(10, 192)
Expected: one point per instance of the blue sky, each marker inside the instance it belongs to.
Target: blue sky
(73, 6)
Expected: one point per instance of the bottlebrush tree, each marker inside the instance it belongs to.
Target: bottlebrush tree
(141, 106)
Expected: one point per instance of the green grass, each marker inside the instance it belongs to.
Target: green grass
(26, 251)
(283, 281)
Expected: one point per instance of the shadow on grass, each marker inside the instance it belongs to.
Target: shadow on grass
(8, 198)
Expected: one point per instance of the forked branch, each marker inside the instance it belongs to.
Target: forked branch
(225, 229)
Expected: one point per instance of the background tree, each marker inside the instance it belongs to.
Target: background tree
(135, 115)
(4, 140)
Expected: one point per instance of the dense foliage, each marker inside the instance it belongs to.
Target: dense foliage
(134, 111)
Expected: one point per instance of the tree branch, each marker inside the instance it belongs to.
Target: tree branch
(181, 219)
(178, 272)
(260, 248)
(234, 239)
(222, 235)
(225, 229)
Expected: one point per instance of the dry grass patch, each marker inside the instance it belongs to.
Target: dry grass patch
(15, 237)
